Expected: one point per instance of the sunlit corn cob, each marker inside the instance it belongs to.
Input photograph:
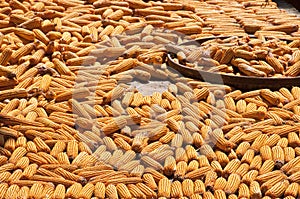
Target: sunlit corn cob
(5, 56)
(278, 189)
(232, 184)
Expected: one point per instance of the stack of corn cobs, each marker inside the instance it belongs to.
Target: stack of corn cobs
(243, 56)
(71, 126)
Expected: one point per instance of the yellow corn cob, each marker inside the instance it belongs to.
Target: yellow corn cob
(232, 166)
(259, 142)
(248, 156)
(197, 173)
(176, 189)
(287, 28)
(293, 70)
(61, 67)
(275, 64)
(32, 23)
(12, 191)
(74, 190)
(278, 156)
(267, 166)
(116, 15)
(45, 83)
(244, 54)
(146, 190)
(36, 190)
(295, 57)
(189, 30)
(17, 154)
(278, 189)
(244, 191)
(289, 154)
(233, 183)
(256, 163)
(201, 93)
(59, 192)
(24, 191)
(26, 34)
(249, 177)
(99, 190)
(292, 190)
(123, 191)
(5, 56)
(37, 56)
(250, 71)
(164, 188)
(24, 50)
(267, 68)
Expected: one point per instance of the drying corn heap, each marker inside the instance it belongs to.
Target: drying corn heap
(71, 126)
(243, 56)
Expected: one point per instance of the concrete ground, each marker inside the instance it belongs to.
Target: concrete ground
(287, 6)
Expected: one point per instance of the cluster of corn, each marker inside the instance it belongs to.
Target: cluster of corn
(258, 57)
(259, 16)
(238, 17)
(70, 126)
(217, 18)
(213, 143)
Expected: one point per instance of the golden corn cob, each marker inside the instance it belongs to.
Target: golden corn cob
(233, 183)
(244, 54)
(250, 176)
(86, 60)
(250, 71)
(176, 189)
(123, 191)
(244, 191)
(45, 83)
(189, 30)
(266, 68)
(292, 190)
(270, 96)
(32, 23)
(24, 50)
(293, 70)
(287, 28)
(267, 166)
(74, 190)
(201, 93)
(164, 188)
(99, 190)
(278, 156)
(278, 189)
(5, 56)
(295, 57)
(255, 189)
(17, 154)
(197, 173)
(37, 56)
(231, 167)
(59, 192)
(24, 33)
(116, 15)
(289, 154)
(248, 156)
(275, 64)
(61, 67)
